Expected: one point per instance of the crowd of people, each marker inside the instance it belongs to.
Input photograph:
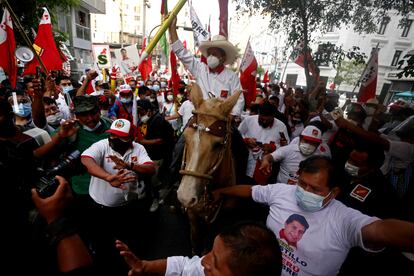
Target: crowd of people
(344, 175)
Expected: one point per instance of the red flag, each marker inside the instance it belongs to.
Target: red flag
(369, 78)
(146, 65)
(266, 77)
(45, 45)
(7, 48)
(248, 67)
(224, 14)
(175, 78)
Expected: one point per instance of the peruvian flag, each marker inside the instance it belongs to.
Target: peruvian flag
(224, 15)
(7, 48)
(266, 77)
(248, 68)
(369, 78)
(45, 47)
(175, 78)
(298, 56)
(146, 65)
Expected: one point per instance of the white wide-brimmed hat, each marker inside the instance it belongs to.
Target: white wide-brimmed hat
(219, 41)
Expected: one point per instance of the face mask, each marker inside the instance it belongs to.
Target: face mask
(92, 129)
(156, 87)
(352, 170)
(54, 120)
(149, 86)
(140, 83)
(24, 110)
(170, 97)
(212, 61)
(309, 201)
(66, 89)
(370, 110)
(118, 145)
(306, 149)
(163, 84)
(152, 100)
(125, 100)
(145, 118)
(148, 98)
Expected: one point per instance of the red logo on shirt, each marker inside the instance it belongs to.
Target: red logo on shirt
(224, 93)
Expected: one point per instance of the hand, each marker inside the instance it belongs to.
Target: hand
(68, 128)
(50, 85)
(266, 166)
(38, 90)
(250, 142)
(283, 142)
(119, 163)
(268, 148)
(53, 207)
(91, 75)
(135, 264)
(118, 180)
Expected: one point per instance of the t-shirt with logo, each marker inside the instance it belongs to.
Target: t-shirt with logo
(324, 245)
(100, 190)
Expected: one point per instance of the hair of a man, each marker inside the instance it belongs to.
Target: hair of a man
(318, 163)
(298, 218)
(254, 250)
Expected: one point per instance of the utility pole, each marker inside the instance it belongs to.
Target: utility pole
(121, 11)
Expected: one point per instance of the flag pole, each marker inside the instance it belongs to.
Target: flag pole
(162, 30)
(366, 65)
(24, 35)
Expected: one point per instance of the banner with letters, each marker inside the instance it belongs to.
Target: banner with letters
(102, 56)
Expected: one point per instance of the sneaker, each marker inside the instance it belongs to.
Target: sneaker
(154, 206)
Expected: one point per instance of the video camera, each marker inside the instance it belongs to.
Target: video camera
(47, 184)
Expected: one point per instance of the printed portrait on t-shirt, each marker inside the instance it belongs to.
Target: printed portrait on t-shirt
(295, 227)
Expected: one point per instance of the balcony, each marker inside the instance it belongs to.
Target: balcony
(94, 6)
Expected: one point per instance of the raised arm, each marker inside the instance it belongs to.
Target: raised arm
(91, 75)
(38, 110)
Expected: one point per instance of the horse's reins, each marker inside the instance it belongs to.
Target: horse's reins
(220, 128)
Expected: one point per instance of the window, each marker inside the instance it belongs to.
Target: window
(137, 18)
(406, 28)
(396, 58)
(383, 26)
(82, 22)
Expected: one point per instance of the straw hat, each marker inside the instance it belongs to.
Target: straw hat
(219, 41)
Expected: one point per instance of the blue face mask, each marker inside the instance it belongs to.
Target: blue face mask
(24, 110)
(66, 89)
(156, 87)
(309, 201)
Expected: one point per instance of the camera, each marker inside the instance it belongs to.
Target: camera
(47, 184)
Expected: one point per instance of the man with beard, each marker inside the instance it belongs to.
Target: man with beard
(118, 165)
(262, 134)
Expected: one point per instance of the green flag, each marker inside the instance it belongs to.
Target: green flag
(163, 41)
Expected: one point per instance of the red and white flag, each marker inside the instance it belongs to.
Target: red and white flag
(145, 67)
(45, 46)
(200, 33)
(7, 48)
(369, 78)
(224, 16)
(248, 68)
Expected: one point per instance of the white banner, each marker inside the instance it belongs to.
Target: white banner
(102, 56)
(127, 59)
(199, 32)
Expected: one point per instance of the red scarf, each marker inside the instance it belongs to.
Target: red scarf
(217, 70)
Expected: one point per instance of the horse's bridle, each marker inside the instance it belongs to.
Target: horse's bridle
(220, 128)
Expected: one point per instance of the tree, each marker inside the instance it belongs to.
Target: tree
(299, 18)
(31, 11)
(348, 73)
(406, 65)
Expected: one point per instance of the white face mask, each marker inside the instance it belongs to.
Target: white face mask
(92, 129)
(212, 61)
(66, 89)
(145, 118)
(352, 170)
(306, 149)
(308, 201)
(163, 84)
(104, 113)
(125, 100)
(156, 87)
(54, 120)
(170, 97)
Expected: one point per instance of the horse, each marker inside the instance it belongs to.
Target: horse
(207, 163)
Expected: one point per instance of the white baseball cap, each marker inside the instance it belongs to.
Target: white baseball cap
(312, 133)
(124, 88)
(121, 128)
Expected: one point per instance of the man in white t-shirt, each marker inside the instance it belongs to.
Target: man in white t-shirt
(333, 228)
(309, 143)
(262, 134)
(243, 249)
(185, 111)
(118, 167)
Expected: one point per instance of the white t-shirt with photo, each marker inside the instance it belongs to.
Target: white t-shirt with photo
(100, 190)
(332, 231)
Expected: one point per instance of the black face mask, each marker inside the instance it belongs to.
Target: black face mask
(118, 145)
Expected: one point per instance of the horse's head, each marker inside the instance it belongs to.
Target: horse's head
(206, 139)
